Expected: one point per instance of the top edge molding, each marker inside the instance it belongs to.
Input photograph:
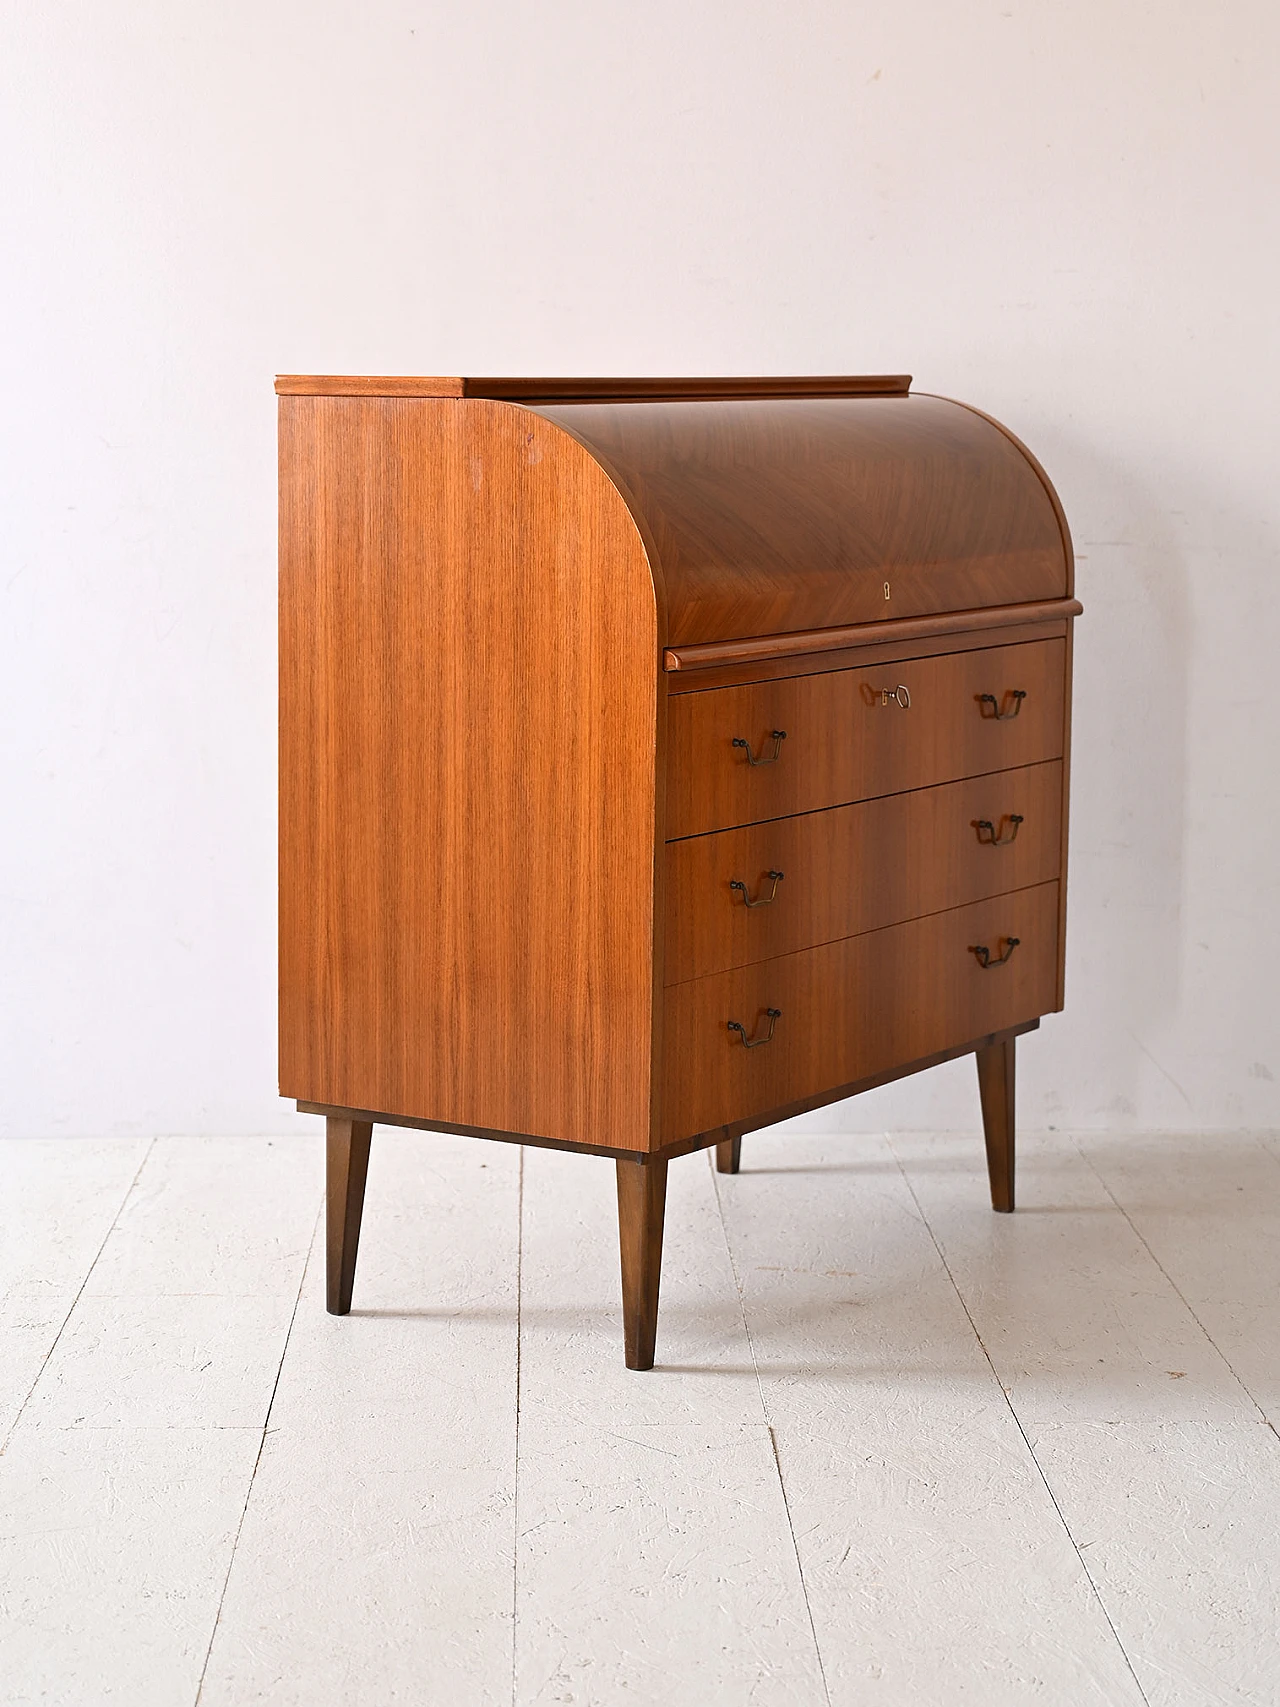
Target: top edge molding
(592, 390)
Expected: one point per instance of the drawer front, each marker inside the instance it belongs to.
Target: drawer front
(751, 894)
(851, 1010)
(825, 740)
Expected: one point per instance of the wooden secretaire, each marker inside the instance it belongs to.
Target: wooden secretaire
(659, 758)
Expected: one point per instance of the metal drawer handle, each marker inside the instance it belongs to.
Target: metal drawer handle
(887, 696)
(1000, 707)
(761, 900)
(986, 958)
(993, 838)
(777, 736)
(773, 1014)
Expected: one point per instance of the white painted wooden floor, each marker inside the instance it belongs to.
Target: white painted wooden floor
(898, 1450)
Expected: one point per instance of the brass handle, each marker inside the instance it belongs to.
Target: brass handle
(777, 736)
(884, 696)
(761, 900)
(1000, 707)
(993, 838)
(987, 959)
(773, 1014)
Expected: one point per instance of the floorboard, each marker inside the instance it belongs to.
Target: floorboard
(114, 1545)
(126, 1474)
(656, 1561)
(656, 1566)
(936, 1565)
(1208, 1217)
(61, 1198)
(895, 1450)
(375, 1563)
(1163, 1468)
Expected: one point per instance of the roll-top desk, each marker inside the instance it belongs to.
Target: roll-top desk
(658, 759)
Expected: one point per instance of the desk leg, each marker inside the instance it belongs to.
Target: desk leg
(995, 1086)
(729, 1155)
(346, 1167)
(642, 1201)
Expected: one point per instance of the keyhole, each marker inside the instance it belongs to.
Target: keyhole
(886, 589)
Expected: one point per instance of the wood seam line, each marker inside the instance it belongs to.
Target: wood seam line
(253, 1474)
(1017, 1420)
(88, 1275)
(795, 1549)
(1182, 1298)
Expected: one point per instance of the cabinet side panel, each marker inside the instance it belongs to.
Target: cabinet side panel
(468, 656)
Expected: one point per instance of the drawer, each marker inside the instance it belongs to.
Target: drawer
(857, 868)
(850, 1010)
(740, 755)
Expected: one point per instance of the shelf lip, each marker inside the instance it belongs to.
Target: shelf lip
(807, 641)
(593, 390)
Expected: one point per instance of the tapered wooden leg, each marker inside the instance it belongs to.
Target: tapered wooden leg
(729, 1155)
(995, 1086)
(642, 1201)
(347, 1167)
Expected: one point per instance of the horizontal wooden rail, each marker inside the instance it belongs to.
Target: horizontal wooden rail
(810, 640)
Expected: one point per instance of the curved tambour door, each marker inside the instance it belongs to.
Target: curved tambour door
(771, 515)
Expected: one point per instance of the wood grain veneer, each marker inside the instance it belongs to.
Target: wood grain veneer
(771, 515)
(851, 1009)
(347, 1142)
(467, 771)
(996, 1071)
(1067, 675)
(881, 749)
(522, 622)
(824, 640)
(836, 879)
(642, 1199)
(854, 1087)
(866, 656)
(525, 390)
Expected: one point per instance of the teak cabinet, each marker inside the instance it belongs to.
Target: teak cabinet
(659, 758)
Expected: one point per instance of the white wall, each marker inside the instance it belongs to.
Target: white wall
(1067, 214)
